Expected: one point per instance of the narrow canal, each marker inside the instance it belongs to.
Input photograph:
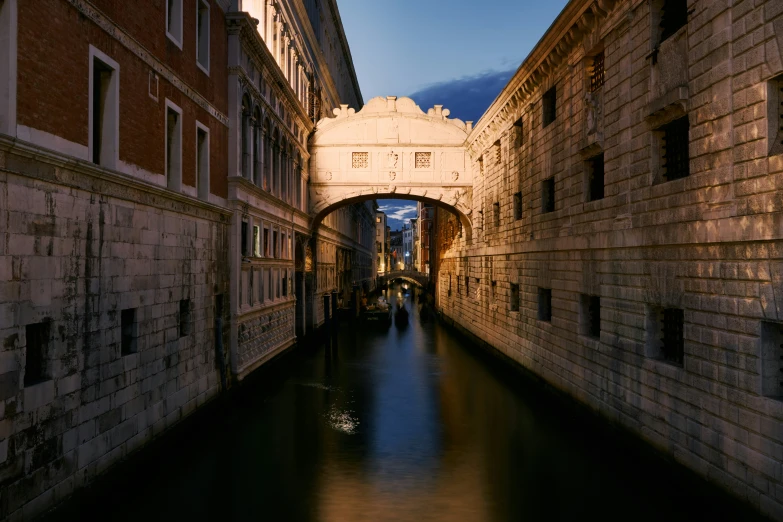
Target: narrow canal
(410, 424)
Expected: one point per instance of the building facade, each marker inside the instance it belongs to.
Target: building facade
(381, 245)
(624, 244)
(155, 245)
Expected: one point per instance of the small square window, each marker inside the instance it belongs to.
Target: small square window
(37, 353)
(514, 304)
(185, 317)
(361, 160)
(517, 206)
(665, 334)
(128, 331)
(423, 160)
(591, 315)
(595, 177)
(545, 304)
(548, 195)
(549, 104)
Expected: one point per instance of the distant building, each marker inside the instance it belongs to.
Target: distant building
(397, 257)
(381, 244)
(407, 246)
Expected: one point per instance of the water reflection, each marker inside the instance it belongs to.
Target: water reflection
(397, 425)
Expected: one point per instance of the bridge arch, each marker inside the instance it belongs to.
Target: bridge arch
(391, 149)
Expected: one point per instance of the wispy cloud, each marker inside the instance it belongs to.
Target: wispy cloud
(467, 98)
(397, 214)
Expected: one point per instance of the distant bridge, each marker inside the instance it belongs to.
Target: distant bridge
(412, 276)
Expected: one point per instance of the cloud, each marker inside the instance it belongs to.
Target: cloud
(467, 98)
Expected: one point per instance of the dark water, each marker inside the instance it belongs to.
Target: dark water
(397, 425)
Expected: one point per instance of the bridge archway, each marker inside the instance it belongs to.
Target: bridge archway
(391, 149)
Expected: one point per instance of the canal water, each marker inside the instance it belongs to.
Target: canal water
(404, 424)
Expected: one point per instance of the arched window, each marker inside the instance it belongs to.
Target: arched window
(257, 144)
(276, 162)
(267, 143)
(245, 138)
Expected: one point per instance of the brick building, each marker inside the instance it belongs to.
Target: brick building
(625, 245)
(153, 224)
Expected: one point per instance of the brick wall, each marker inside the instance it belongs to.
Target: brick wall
(708, 244)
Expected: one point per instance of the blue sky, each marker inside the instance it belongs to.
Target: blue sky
(457, 53)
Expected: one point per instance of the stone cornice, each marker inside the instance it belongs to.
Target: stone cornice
(117, 180)
(97, 17)
(241, 24)
(549, 54)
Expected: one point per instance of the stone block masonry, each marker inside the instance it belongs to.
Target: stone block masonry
(655, 300)
(107, 299)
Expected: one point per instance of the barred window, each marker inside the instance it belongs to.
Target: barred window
(674, 14)
(423, 160)
(597, 72)
(361, 160)
(674, 145)
(498, 154)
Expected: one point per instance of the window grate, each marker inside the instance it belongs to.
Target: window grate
(498, 154)
(674, 15)
(675, 149)
(596, 178)
(673, 338)
(597, 73)
(361, 160)
(423, 160)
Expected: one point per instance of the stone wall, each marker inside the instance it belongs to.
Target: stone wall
(707, 246)
(79, 248)
(263, 335)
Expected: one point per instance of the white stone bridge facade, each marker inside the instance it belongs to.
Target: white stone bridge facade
(391, 149)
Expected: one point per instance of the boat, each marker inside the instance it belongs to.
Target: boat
(378, 314)
(401, 317)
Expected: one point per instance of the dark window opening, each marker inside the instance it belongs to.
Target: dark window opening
(673, 337)
(274, 243)
(101, 77)
(517, 205)
(549, 103)
(467, 286)
(595, 178)
(674, 14)
(544, 304)
(36, 353)
(128, 331)
(496, 212)
(597, 72)
(675, 141)
(548, 195)
(284, 284)
(591, 315)
(243, 240)
(519, 134)
(772, 359)
(514, 297)
(184, 317)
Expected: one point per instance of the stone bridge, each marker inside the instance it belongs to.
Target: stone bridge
(412, 276)
(391, 149)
